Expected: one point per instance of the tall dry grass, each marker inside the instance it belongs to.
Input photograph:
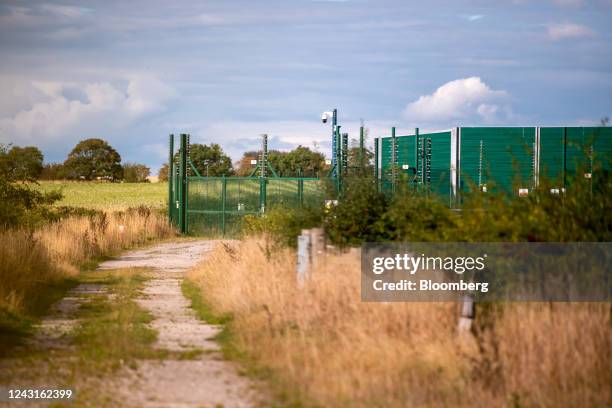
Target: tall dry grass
(336, 351)
(30, 261)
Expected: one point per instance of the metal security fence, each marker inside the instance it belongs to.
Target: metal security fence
(509, 159)
(217, 205)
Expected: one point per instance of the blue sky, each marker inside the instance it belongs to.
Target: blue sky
(226, 71)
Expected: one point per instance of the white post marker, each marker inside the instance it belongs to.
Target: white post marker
(303, 258)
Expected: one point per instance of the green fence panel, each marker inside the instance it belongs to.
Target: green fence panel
(440, 164)
(552, 155)
(498, 157)
(406, 155)
(217, 205)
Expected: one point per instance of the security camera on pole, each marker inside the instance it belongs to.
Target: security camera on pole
(334, 117)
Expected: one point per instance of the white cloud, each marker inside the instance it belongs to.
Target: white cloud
(467, 99)
(57, 108)
(561, 31)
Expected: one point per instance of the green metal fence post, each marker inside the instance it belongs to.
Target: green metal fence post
(338, 161)
(170, 177)
(187, 175)
(376, 152)
(223, 198)
(361, 152)
(300, 188)
(344, 154)
(393, 160)
(183, 185)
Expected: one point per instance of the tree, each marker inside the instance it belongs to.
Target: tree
(136, 173)
(300, 160)
(53, 171)
(17, 197)
(210, 160)
(162, 174)
(93, 159)
(243, 166)
(25, 163)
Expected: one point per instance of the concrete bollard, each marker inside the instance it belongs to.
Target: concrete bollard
(466, 317)
(303, 258)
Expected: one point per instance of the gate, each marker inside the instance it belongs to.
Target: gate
(217, 205)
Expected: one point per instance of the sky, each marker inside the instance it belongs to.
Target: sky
(132, 72)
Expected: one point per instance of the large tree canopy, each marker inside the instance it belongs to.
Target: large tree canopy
(210, 160)
(136, 173)
(24, 163)
(17, 196)
(93, 159)
(300, 160)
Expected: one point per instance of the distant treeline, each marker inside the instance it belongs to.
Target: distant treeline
(96, 159)
(91, 159)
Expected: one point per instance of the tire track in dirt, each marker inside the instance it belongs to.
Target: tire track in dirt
(204, 381)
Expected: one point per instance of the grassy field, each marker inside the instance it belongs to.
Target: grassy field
(109, 196)
(321, 346)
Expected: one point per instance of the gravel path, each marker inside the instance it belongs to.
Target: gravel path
(207, 380)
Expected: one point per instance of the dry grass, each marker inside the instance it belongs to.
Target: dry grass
(334, 350)
(30, 261)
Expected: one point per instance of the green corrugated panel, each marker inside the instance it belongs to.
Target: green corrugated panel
(576, 151)
(507, 157)
(440, 162)
(552, 154)
(588, 149)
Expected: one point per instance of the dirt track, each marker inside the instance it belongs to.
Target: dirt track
(207, 380)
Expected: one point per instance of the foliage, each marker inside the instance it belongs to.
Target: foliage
(24, 163)
(284, 224)
(162, 174)
(361, 163)
(357, 217)
(19, 202)
(210, 160)
(300, 160)
(53, 171)
(136, 173)
(582, 213)
(93, 159)
(244, 167)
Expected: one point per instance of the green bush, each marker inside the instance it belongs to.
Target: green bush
(283, 224)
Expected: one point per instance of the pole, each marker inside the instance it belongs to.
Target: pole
(338, 161)
(262, 172)
(344, 154)
(361, 152)
(170, 177)
(183, 185)
(376, 152)
(223, 195)
(393, 159)
(334, 144)
(300, 188)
